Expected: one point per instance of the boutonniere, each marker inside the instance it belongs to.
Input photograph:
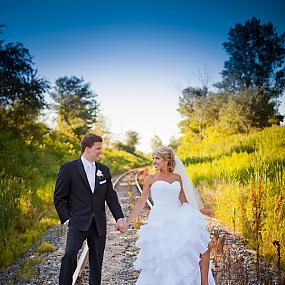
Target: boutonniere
(99, 174)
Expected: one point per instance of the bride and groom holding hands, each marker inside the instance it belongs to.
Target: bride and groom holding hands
(173, 244)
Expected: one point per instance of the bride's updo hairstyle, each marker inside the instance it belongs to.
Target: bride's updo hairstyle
(166, 153)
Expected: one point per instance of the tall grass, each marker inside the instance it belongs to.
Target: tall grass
(242, 178)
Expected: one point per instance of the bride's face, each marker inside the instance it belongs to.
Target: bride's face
(159, 162)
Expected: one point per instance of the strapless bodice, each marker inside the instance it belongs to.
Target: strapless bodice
(165, 194)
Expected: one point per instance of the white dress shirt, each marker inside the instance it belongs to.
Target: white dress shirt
(90, 169)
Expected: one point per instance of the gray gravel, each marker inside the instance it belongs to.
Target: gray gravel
(48, 268)
(233, 262)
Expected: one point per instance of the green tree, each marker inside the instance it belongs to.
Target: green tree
(256, 62)
(76, 105)
(192, 105)
(174, 143)
(256, 58)
(102, 128)
(155, 142)
(132, 139)
(199, 109)
(234, 117)
(21, 91)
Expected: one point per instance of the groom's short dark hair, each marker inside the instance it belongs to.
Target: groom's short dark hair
(88, 141)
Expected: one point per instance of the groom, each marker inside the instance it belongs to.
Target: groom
(82, 188)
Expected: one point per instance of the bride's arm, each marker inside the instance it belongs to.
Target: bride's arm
(141, 202)
(182, 196)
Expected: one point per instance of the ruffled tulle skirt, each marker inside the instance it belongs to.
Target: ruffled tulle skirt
(170, 247)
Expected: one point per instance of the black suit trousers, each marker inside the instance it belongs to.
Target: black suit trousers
(74, 241)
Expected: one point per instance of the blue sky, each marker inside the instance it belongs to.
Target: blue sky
(137, 55)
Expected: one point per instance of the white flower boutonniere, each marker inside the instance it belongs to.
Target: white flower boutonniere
(99, 174)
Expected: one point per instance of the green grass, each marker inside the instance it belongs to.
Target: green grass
(45, 247)
(28, 269)
(222, 168)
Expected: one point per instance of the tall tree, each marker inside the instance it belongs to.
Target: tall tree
(76, 105)
(21, 91)
(174, 143)
(199, 109)
(256, 67)
(195, 105)
(132, 139)
(192, 107)
(235, 116)
(155, 142)
(256, 58)
(102, 128)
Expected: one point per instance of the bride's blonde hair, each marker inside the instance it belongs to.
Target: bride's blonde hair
(166, 153)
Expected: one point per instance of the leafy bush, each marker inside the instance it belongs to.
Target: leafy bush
(224, 182)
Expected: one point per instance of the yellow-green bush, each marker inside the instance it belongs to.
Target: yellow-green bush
(222, 167)
(45, 247)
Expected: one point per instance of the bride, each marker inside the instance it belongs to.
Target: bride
(174, 243)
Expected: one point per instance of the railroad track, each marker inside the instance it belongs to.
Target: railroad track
(132, 177)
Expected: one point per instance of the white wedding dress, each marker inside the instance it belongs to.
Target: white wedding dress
(172, 240)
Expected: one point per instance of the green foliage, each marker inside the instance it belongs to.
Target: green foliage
(193, 106)
(21, 91)
(236, 115)
(27, 269)
(45, 247)
(223, 167)
(256, 58)
(174, 143)
(156, 142)
(253, 80)
(256, 67)
(102, 128)
(29, 165)
(76, 105)
(131, 140)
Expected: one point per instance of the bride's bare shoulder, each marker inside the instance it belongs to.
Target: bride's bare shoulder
(149, 180)
(177, 177)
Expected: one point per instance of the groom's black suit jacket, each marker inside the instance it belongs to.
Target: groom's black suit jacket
(75, 201)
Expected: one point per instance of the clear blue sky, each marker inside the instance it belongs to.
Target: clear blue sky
(136, 54)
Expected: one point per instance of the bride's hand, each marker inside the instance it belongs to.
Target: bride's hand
(122, 225)
(203, 211)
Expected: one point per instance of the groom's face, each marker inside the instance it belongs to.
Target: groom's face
(95, 151)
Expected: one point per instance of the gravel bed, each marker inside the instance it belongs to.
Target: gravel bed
(233, 262)
(48, 269)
